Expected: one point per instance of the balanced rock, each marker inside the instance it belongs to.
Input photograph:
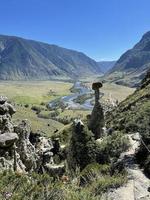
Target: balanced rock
(96, 119)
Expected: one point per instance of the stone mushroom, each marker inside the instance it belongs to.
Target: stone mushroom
(96, 86)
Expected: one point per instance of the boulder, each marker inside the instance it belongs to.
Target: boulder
(8, 139)
(3, 99)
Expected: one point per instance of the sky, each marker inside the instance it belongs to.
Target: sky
(102, 29)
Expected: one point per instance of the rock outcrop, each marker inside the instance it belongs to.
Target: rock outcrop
(9, 158)
(20, 149)
(96, 119)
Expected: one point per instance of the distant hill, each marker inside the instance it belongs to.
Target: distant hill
(106, 65)
(22, 59)
(133, 64)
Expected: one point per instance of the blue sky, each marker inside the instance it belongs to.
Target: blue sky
(103, 29)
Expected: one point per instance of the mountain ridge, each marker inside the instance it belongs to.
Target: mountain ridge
(23, 59)
(133, 64)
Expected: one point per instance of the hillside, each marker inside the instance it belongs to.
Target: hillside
(133, 64)
(106, 65)
(22, 59)
(132, 116)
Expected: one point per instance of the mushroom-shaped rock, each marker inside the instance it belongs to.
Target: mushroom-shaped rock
(97, 85)
(8, 139)
(3, 99)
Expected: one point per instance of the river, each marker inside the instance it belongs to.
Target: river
(69, 102)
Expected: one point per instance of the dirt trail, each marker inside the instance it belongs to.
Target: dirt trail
(138, 184)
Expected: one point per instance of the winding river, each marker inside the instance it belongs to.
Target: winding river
(69, 101)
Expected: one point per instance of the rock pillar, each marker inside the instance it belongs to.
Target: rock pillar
(96, 119)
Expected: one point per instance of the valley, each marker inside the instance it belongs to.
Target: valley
(26, 95)
(69, 123)
(75, 100)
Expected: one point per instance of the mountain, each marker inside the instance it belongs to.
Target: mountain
(133, 64)
(106, 65)
(132, 116)
(22, 59)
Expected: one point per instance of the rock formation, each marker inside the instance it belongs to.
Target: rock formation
(17, 152)
(8, 138)
(96, 119)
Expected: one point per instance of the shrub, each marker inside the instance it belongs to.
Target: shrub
(105, 183)
(38, 109)
(111, 147)
(93, 172)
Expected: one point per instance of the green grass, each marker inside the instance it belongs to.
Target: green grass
(33, 92)
(47, 126)
(36, 92)
(17, 186)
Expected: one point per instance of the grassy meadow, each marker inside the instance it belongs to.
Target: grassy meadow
(33, 92)
(26, 94)
(117, 92)
(30, 93)
(114, 91)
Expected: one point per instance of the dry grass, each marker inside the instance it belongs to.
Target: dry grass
(114, 91)
(118, 92)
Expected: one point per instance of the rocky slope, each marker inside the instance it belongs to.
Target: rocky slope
(133, 64)
(22, 59)
(133, 115)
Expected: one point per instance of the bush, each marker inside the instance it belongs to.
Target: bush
(111, 147)
(38, 109)
(93, 172)
(105, 183)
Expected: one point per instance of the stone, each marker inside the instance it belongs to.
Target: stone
(3, 99)
(96, 119)
(44, 149)
(24, 147)
(11, 109)
(20, 149)
(97, 85)
(8, 139)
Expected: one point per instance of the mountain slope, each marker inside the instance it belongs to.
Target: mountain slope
(132, 116)
(106, 65)
(133, 64)
(22, 59)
